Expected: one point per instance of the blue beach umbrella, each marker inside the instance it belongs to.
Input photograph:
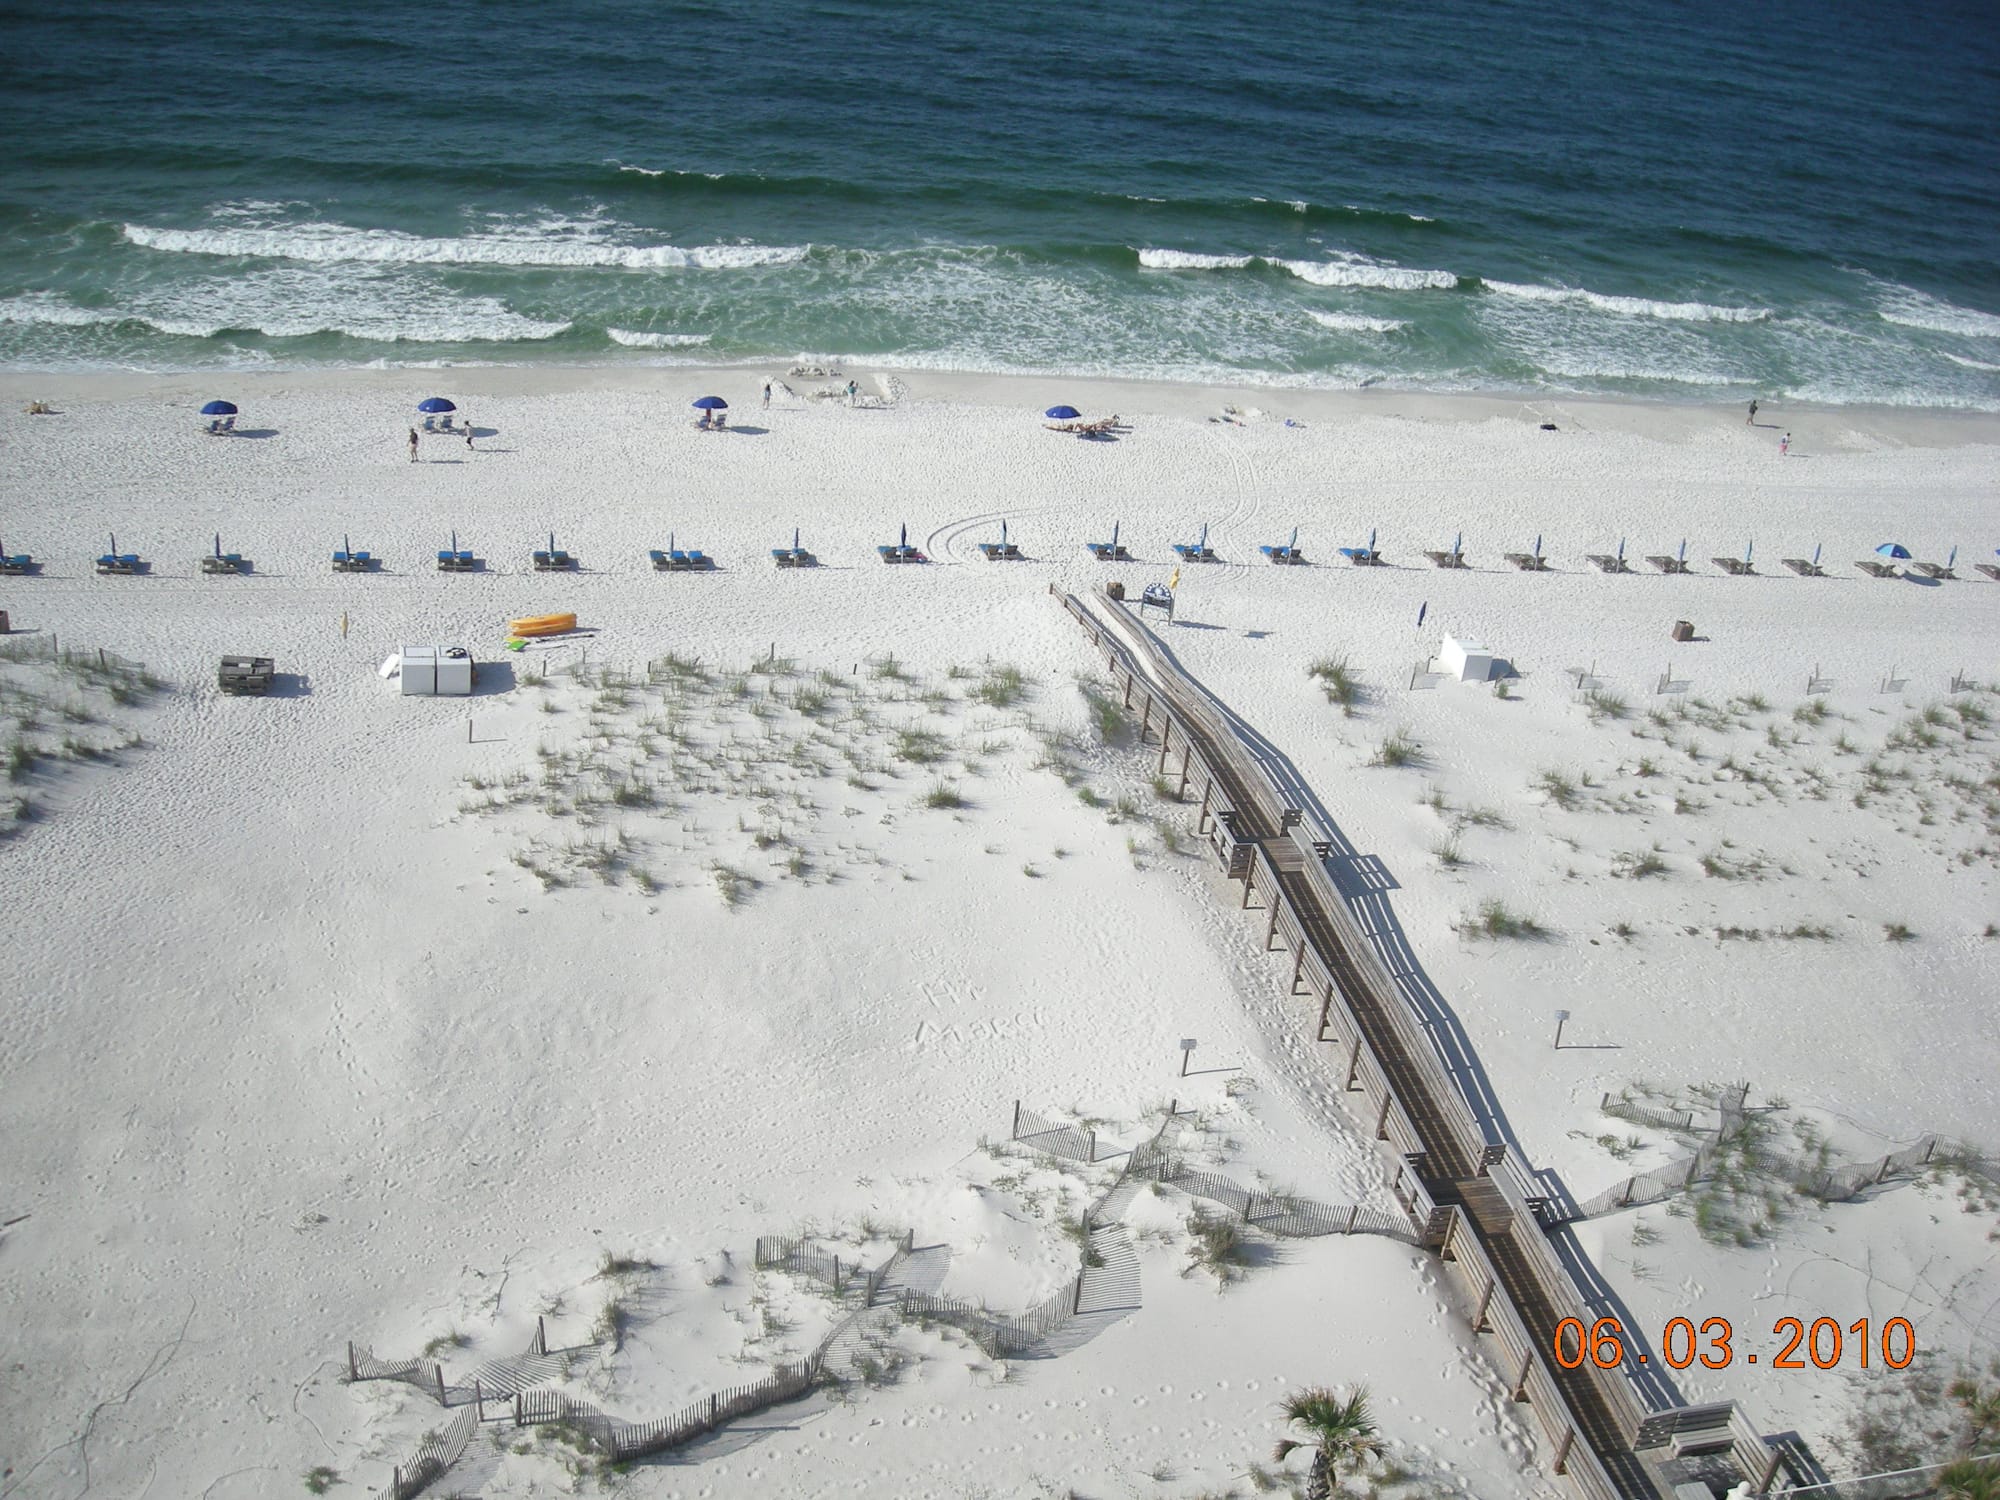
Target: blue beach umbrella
(1063, 413)
(435, 404)
(1893, 549)
(710, 403)
(219, 409)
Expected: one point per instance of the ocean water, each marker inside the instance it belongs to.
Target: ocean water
(1683, 202)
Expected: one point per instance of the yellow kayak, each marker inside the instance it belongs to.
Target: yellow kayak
(542, 625)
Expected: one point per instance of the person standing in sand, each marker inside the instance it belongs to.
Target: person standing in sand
(413, 445)
(468, 436)
(1752, 418)
(767, 395)
(1784, 445)
(851, 389)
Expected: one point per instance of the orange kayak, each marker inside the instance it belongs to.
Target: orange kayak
(542, 624)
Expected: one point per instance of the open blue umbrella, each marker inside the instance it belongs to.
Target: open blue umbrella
(710, 403)
(435, 404)
(219, 409)
(1893, 549)
(1062, 413)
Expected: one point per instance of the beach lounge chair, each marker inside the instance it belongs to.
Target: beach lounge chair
(1932, 570)
(1290, 556)
(1528, 562)
(1448, 559)
(352, 562)
(1670, 564)
(16, 564)
(1805, 568)
(1001, 552)
(1609, 564)
(1989, 570)
(1362, 557)
(430, 424)
(120, 562)
(703, 424)
(214, 426)
(552, 562)
(449, 561)
(899, 552)
(223, 562)
(229, 424)
(1197, 552)
(1735, 567)
(793, 557)
(245, 674)
(1878, 569)
(721, 422)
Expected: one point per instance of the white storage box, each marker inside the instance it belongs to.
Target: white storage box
(443, 671)
(1468, 661)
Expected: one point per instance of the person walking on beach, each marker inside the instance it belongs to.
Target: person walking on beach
(767, 395)
(851, 389)
(413, 445)
(1753, 415)
(1784, 445)
(468, 437)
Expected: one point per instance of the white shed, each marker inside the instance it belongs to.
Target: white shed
(1468, 661)
(444, 671)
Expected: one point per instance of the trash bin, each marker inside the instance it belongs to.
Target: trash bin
(1115, 589)
(1683, 630)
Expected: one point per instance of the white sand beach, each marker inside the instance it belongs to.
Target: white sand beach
(341, 1015)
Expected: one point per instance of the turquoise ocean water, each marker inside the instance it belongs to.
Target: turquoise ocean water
(1693, 201)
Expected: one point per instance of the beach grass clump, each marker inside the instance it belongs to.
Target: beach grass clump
(1448, 853)
(1601, 704)
(319, 1479)
(1897, 932)
(943, 795)
(1638, 864)
(1813, 712)
(1217, 1246)
(888, 669)
(1495, 920)
(922, 747)
(1339, 682)
(1107, 716)
(1003, 686)
(731, 884)
(1483, 817)
(1399, 749)
(1558, 788)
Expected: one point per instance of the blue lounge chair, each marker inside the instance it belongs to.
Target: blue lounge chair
(16, 564)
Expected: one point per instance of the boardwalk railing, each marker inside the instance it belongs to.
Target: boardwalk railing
(1404, 1082)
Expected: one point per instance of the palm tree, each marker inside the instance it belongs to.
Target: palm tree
(1341, 1429)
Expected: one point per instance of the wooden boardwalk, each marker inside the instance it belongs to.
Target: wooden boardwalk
(1478, 1218)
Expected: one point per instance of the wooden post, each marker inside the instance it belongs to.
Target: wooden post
(1520, 1390)
(1187, 753)
(1562, 1451)
(440, 1375)
(1207, 791)
(396, 1483)
(1249, 880)
(1014, 1134)
(1090, 1144)
(1353, 1063)
(541, 1335)
(1770, 1472)
(1353, 1214)
(1485, 1301)
(1271, 927)
(1382, 1118)
(1249, 1202)
(1166, 739)
(1298, 966)
(714, 1406)
(479, 1397)
(1326, 1011)
(836, 1275)
(353, 1371)
(1076, 1302)
(1128, 684)
(517, 1408)
(1146, 718)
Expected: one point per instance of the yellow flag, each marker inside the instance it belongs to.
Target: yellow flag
(1175, 581)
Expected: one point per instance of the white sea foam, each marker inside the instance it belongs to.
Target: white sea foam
(1359, 270)
(1971, 364)
(636, 340)
(1911, 308)
(560, 243)
(287, 310)
(1342, 322)
(1190, 260)
(1631, 307)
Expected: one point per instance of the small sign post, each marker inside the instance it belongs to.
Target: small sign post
(1187, 1051)
(1561, 1016)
